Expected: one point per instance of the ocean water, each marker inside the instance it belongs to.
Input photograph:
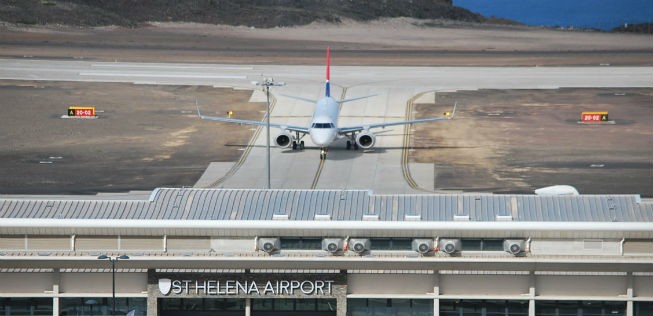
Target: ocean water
(598, 14)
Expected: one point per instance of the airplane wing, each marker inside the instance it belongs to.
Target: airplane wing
(292, 128)
(357, 128)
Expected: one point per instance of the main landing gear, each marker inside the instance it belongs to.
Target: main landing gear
(350, 143)
(300, 145)
(323, 153)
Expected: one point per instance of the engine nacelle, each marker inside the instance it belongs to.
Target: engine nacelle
(365, 140)
(284, 139)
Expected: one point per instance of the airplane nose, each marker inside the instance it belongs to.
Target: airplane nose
(322, 138)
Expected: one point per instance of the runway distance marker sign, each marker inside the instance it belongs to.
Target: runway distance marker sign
(81, 111)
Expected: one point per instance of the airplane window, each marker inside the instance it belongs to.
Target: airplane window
(322, 125)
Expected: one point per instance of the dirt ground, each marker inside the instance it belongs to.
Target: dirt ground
(398, 41)
(132, 145)
(520, 140)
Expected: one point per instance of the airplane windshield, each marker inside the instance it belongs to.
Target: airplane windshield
(322, 125)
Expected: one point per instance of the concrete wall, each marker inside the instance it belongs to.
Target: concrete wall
(586, 285)
(592, 247)
(391, 283)
(484, 284)
(16, 283)
(75, 282)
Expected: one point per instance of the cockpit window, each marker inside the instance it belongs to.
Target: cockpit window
(322, 125)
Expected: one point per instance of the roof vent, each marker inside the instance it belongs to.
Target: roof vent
(371, 217)
(280, 217)
(322, 217)
(413, 218)
(461, 218)
(504, 218)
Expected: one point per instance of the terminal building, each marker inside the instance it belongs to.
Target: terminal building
(183, 251)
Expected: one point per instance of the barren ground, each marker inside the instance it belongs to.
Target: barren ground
(519, 140)
(145, 136)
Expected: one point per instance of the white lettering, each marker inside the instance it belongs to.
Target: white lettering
(237, 287)
(212, 287)
(230, 287)
(221, 290)
(309, 290)
(241, 287)
(329, 286)
(176, 287)
(268, 288)
(186, 283)
(253, 288)
(284, 287)
(200, 285)
(294, 285)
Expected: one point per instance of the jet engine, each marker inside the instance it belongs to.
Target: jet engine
(284, 139)
(365, 140)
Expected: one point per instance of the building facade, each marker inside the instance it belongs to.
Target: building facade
(325, 252)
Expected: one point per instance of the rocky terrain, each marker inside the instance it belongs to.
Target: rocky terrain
(255, 13)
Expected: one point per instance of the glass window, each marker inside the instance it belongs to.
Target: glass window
(299, 243)
(643, 308)
(262, 305)
(284, 305)
(483, 308)
(326, 305)
(492, 245)
(579, 308)
(471, 244)
(26, 306)
(103, 305)
(390, 307)
(305, 305)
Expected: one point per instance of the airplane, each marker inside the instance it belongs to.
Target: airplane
(324, 129)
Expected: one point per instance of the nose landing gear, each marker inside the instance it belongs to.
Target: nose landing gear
(323, 153)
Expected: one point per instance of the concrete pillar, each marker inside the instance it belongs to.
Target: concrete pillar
(152, 293)
(248, 307)
(630, 294)
(531, 294)
(56, 280)
(436, 293)
(341, 306)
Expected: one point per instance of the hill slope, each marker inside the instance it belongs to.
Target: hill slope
(257, 13)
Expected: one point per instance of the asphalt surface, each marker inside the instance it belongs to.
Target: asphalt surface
(382, 169)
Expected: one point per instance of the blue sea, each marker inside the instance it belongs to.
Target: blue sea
(598, 14)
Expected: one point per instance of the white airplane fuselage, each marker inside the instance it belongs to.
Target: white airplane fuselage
(324, 125)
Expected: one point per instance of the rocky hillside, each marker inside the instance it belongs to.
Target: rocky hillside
(257, 13)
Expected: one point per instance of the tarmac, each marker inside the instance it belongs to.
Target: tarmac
(382, 169)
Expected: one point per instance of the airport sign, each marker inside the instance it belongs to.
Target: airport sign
(81, 111)
(590, 117)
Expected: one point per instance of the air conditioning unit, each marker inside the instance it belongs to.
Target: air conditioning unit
(359, 245)
(333, 245)
(514, 246)
(450, 246)
(269, 245)
(423, 246)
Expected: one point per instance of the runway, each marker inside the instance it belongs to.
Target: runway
(381, 169)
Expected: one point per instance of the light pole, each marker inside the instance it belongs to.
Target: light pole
(113, 276)
(266, 84)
